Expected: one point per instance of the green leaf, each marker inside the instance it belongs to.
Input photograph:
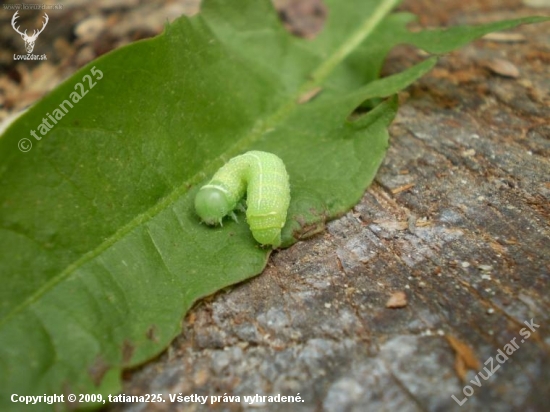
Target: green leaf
(445, 40)
(101, 253)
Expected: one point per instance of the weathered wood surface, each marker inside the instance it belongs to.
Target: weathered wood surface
(458, 220)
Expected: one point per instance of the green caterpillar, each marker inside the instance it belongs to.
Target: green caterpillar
(263, 177)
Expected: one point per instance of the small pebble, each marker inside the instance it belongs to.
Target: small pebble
(502, 67)
(537, 3)
(397, 300)
(504, 37)
(90, 28)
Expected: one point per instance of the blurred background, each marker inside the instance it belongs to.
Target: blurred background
(78, 31)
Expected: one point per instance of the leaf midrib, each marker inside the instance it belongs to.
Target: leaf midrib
(318, 76)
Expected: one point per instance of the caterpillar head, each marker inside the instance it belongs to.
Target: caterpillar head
(212, 205)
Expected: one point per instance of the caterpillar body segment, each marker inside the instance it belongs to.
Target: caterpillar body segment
(263, 177)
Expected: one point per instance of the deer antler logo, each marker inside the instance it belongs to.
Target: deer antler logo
(29, 40)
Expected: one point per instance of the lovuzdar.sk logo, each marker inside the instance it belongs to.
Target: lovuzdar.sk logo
(29, 40)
